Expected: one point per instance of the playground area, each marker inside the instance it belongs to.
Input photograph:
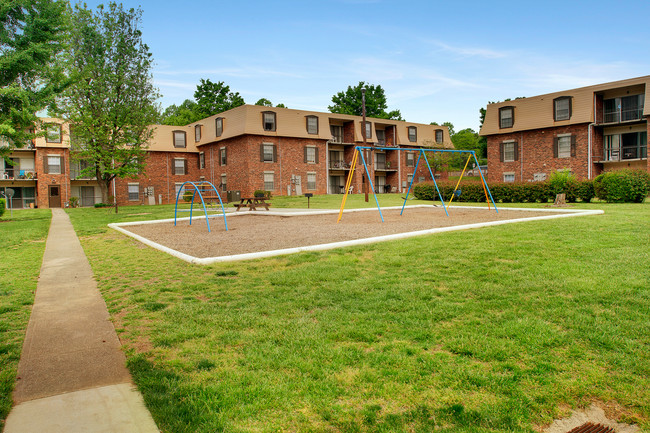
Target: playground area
(263, 234)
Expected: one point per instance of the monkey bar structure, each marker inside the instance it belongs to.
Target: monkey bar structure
(205, 191)
(360, 150)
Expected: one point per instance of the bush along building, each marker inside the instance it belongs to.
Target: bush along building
(248, 148)
(588, 131)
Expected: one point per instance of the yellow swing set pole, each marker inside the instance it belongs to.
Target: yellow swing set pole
(461, 178)
(348, 183)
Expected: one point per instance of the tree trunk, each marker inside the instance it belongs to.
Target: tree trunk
(103, 186)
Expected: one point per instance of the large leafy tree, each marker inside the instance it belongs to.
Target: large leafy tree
(32, 35)
(183, 114)
(111, 101)
(350, 102)
(212, 98)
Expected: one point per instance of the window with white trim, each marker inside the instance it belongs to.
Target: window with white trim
(218, 126)
(506, 117)
(222, 156)
(311, 181)
(53, 133)
(368, 130)
(539, 177)
(269, 181)
(179, 139)
(564, 146)
(178, 187)
(439, 136)
(562, 108)
(268, 152)
(312, 125)
(179, 166)
(268, 121)
(54, 164)
(508, 177)
(224, 183)
(509, 151)
(201, 159)
(197, 133)
(410, 159)
(134, 191)
(310, 154)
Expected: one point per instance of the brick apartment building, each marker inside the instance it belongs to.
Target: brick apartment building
(588, 131)
(245, 149)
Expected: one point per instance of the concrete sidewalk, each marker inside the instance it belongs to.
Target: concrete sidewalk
(72, 375)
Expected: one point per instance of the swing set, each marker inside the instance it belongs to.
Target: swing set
(358, 150)
(200, 188)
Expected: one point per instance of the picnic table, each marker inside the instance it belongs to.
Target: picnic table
(252, 203)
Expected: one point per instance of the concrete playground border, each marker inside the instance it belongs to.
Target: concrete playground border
(122, 228)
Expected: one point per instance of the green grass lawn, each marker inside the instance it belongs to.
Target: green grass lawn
(497, 329)
(22, 242)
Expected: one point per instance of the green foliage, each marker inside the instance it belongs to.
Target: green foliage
(212, 98)
(263, 102)
(111, 101)
(180, 115)
(262, 193)
(350, 102)
(630, 186)
(187, 196)
(73, 202)
(3, 206)
(32, 33)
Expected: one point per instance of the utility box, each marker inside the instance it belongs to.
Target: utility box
(233, 196)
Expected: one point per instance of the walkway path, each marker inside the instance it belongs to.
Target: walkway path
(72, 375)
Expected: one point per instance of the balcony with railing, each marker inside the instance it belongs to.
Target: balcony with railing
(624, 109)
(339, 165)
(16, 174)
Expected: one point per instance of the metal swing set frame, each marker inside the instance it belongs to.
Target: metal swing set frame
(201, 188)
(358, 150)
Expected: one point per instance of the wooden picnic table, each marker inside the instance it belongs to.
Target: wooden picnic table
(252, 203)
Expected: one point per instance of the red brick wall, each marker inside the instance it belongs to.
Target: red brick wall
(44, 180)
(536, 153)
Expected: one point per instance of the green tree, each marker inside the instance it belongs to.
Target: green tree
(212, 98)
(111, 101)
(349, 102)
(263, 102)
(32, 35)
(183, 114)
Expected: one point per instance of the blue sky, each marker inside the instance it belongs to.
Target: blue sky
(437, 61)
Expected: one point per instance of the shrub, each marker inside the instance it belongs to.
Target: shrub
(103, 205)
(73, 202)
(630, 186)
(3, 206)
(585, 190)
(563, 182)
(187, 195)
(262, 193)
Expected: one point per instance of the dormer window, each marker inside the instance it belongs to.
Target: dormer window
(312, 125)
(506, 117)
(197, 133)
(562, 108)
(413, 134)
(53, 133)
(368, 130)
(268, 121)
(439, 136)
(218, 125)
(179, 139)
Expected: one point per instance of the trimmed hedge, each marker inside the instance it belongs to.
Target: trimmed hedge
(518, 192)
(3, 207)
(630, 186)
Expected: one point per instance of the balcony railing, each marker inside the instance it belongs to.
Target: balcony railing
(617, 116)
(18, 174)
(341, 165)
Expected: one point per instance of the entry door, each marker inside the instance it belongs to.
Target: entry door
(54, 195)
(87, 196)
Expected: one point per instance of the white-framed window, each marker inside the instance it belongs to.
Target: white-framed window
(506, 117)
(178, 187)
(420, 179)
(381, 136)
(409, 179)
(218, 126)
(564, 146)
(312, 125)
(134, 191)
(268, 121)
(311, 155)
(53, 133)
(179, 166)
(197, 133)
(222, 156)
(439, 136)
(179, 139)
(201, 159)
(410, 159)
(539, 177)
(562, 108)
(224, 183)
(413, 134)
(508, 177)
(268, 152)
(509, 151)
(368, 130)
(311, 181)
(269, 181)
(54, 165)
